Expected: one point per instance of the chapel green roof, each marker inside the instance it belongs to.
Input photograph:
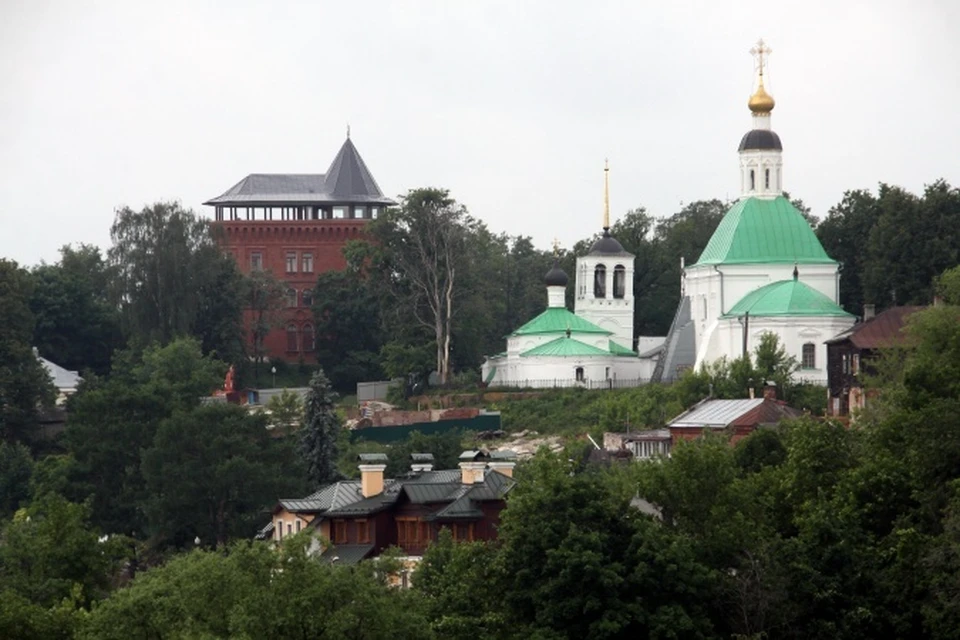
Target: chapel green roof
(759, 230)
(565, 347)
(786, 298)
(558, 320)
(619, 350)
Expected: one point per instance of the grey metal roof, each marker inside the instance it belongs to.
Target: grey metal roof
(607, 245)
(346, 553)
(62, 378)
(503, 454)
(680, 347)
(760, 139)
(372, 457)
(473, 454)
(347, 181)
(332, 496)
(423, 493)
(421, 457)
(715, 413)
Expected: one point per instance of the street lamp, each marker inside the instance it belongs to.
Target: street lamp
(273, 370)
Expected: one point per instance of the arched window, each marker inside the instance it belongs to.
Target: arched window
(307, 338)
(293, 344)
(600, 282)
(619, 281)
(307, 297)
(291, 297)
(579, 374)
(766, 178)
(809, 358)
(753, 181)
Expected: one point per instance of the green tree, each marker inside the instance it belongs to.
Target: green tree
(321, 427)
(286, 411)
(76, 326)
(16, 470)
(210, 472)
(948, 286)
(265, 299)
(24, 383)
(171, 279)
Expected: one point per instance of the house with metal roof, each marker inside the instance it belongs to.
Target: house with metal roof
(358, 519)
(763, 270)
(736, 418)
(593, 346)
(851, 354)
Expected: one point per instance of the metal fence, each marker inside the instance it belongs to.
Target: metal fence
(566, 383)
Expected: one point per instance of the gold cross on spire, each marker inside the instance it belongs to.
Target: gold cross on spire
(606, 194)
(556, 247)
(758, 51)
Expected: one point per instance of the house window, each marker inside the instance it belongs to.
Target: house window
(363, 531)
(360, 212)
(600, 282)
(809, 358)
(339, 213)
(279, 529)
(463, 532)
(410, 532)
(856, 363)
(307, 259)
(619, 281)
(256, 261)
(846, 363)
(374, 212)
(339, 532)
(291, 261)
(307, 297)
(289, 528)
(291, 297)
(298, 525)
(292, 344)
(579, 374)
(307, 342)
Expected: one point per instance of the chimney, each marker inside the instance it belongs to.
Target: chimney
(420, 462)
(770, 391)
(869, 311)
(503, 462)
(472, 466)
(372, 466)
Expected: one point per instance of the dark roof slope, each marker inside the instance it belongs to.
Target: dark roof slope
(883, 330)
(763, 139)
(607, 245)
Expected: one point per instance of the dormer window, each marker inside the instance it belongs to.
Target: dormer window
(600, 281)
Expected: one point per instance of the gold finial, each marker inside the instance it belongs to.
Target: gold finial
(760, 102)
(606, 194)
(556, 247)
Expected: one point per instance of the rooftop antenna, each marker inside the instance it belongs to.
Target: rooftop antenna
(348, 131)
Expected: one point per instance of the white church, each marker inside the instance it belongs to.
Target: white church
(592, 347)
(763, 270)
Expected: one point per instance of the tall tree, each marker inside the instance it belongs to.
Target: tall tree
(265, 300)
(171, 279)
(424, 242)
(321, 427)
(24, 383)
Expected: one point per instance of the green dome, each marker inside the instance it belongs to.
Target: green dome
(756, 230)
(786, 298)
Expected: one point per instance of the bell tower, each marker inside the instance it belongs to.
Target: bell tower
(761, 154)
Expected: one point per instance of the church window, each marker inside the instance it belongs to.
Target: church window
(291, 261)
(619, 281)
(703, 308)
(307, 340)
(256, 261)
(579, 374)
(307, 260)
(600, 281)
(753, 180)
(291, 297)
(292, 342)
(809, 357)
(766, 178)
(307, 297)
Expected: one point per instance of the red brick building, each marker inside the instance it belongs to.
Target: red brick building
(295, 226)
(737, 418)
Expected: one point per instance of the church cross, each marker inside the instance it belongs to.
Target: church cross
(556, 247)
(760, 50)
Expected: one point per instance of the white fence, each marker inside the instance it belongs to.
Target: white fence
(566, 383)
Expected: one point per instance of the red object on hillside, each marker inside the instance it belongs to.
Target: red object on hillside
(295, 226)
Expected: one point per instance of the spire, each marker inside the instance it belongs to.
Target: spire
(606, 196)
(348, 176)
(761, 102)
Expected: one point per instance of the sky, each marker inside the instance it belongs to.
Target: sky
(512, 106)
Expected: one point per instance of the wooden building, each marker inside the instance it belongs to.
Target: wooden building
(295, 226)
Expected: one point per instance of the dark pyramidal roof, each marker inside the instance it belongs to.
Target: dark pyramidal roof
(761, 139)
(347, 181)
(607, 245)
(556, 277)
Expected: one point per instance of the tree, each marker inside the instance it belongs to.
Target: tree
(318, 438)
(265, 295)
(171, 279)
(24, 383)
(948, 286)
(210, 472)
(76, 326)
(286, 411)
(16, 469)
(424, 243)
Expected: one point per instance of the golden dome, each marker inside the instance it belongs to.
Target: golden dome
(761, 102)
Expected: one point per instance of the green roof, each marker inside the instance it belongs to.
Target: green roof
(565, 347)
(786, 298)
(558, 320)
(619, 350)
(756, 230)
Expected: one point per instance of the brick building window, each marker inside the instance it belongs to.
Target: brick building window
(363, 531)
(809, 357)
(307, 297)
(291, 261)
(256, 261)
(292, 342)
(307, 341)
(291, 297)
(339, 532)
(307, 260)
(411, 531)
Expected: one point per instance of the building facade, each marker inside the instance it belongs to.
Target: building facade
(295, 226)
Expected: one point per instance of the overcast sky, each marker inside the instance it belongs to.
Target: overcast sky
(513, 106)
